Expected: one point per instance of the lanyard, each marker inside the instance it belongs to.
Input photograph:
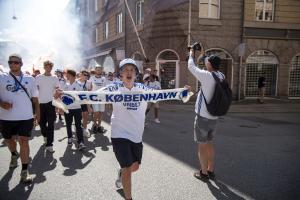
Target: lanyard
(17, 85)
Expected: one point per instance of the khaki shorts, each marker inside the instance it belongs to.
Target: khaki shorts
(156, 105)
(204, 129)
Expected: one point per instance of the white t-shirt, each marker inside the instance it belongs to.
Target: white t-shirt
(109, 82)
(62, 83)
(98, 82)
(72, 87)
(208, 85)
(13, 93)
(85, 86)
(128, 118)
(154, 85)
(46, 86)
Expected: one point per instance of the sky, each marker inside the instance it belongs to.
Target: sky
(44, 29)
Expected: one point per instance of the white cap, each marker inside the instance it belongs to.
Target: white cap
(146, 76)
(128, 61)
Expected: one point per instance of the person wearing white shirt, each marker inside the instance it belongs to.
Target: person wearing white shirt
(205, 123)
(85, 85)
(74, 111)
(62, 82)
(155, 85)
(17, 93)
(47, 84)
(110, 80)
(98, 82)
(127, 126)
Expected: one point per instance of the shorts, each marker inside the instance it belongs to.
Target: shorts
(204, 129)
(127, 152)
(84, 108)
(98, 107)
(156, 105)
(14, 128)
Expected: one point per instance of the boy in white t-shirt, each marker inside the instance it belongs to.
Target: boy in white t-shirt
(85, 85)
(98, 81)
(127, 126)
(47, 84)
(155, 85)
(74, 111)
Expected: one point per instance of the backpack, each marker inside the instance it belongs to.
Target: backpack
(221, 99)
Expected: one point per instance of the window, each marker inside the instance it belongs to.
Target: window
(96, 35)
(294, 86)
(105, 2)
(96, 5)
(106, 29)
(264, 10)
(139, 12)
(209, 9)
(119, 23)
(261, 63)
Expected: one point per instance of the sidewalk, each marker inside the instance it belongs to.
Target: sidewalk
(247, 106)
(270, 106)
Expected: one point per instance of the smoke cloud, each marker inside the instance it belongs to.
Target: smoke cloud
(40, 30)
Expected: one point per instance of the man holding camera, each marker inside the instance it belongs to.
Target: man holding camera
(17, 92)
(205, 123)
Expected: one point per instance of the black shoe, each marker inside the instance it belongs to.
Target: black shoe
(100, 129)
(203, 177)
(211, 175)
(95, 129)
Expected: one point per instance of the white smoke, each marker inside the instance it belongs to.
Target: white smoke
(43, 29)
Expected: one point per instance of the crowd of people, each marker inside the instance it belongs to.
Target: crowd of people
(26, 100)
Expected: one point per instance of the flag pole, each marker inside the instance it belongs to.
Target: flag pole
(136, 31)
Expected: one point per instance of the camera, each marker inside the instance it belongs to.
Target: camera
(196, 47)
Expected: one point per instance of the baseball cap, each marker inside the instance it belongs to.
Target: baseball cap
(16, 56)
(215, 61)
(128, 61)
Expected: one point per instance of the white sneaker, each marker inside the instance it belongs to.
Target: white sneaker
(81, 146)
(86, 133)
(69, 141)
(157, 121)
(45, 140)
(50, 149)
(119, 179)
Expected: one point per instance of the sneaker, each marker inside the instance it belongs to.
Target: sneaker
(25, 177)
(211, 175)
(119, 179)
(157, 121)
(100, 129)
(14, 161)
(50, 149)
(45, 140)
(69, 141)
(81, 146)
(203, 177)
(95, 129)
(86, 133)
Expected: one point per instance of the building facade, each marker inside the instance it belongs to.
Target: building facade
(253, 38)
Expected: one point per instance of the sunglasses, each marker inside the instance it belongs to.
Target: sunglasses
(85, 75)
(14, 62)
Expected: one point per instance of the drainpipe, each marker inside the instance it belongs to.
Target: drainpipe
(241, 56)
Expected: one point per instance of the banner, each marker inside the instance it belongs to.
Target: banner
(102, 96)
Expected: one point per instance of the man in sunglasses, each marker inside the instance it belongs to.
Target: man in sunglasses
(17, 92)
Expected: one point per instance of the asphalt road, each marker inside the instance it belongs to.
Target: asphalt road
(257, 158)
